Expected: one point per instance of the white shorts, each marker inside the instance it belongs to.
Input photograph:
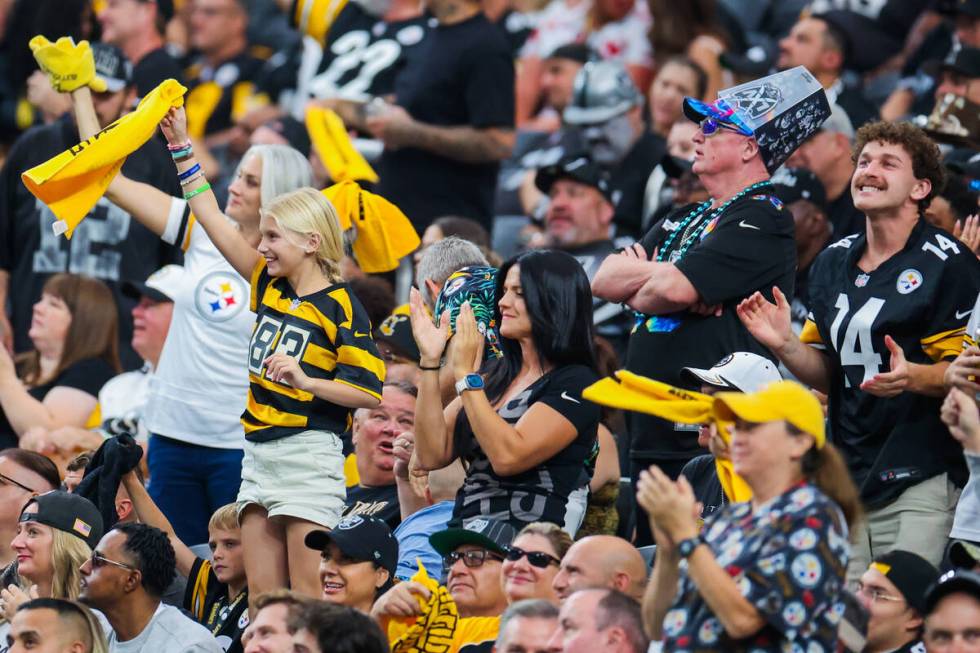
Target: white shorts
(299, 476)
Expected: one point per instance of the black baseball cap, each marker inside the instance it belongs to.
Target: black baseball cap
(674, 166)
(491, 534)
(396, 331)
(112, 66)
(71, 513)
(574, 51)
(361, 538)
(965, 62)
(580, 169)
(794, 184)
(959, 581)
(911, 574)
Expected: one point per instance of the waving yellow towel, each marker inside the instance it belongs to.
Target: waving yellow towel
(439, 629)
(628, 391)
(67, 65)
(334, 147)
(383, 234)
(73, 181)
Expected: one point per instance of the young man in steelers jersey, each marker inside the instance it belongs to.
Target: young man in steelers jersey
(888, 311)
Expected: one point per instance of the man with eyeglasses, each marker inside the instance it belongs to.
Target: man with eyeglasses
(687, 275)
(472, 562)
(952, 609)
(893, 591)
(129, 570)
(23, 474)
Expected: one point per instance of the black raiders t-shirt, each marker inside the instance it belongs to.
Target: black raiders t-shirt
(922, 297)
(380, 502)
(545, 492)
(463, 77)
(108, 244)
(364, 54)
(750, 247)
(206, 598)
(88, 375)
(628, 182)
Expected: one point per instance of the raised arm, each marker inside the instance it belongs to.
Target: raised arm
(433, 425)
(225, 236)
(148, 513)
(148, 204)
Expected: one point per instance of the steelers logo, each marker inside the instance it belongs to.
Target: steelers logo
(807, 570)
(794, 614)
(391, 322)
(709, 631)
(220, 296)
(674, 622)
(803, 539)
(908, 281)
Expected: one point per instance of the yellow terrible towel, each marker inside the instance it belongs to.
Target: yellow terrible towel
(334, 147)
(73, 181)
(628, 391)
(439, 629)
(383, 235)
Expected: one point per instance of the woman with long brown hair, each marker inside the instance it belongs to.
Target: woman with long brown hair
(74, 330)
(692, 29)
(764, 574)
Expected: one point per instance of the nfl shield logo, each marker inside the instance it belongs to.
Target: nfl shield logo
(861, 281)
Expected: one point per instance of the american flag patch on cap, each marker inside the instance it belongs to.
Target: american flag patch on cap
(81, 527)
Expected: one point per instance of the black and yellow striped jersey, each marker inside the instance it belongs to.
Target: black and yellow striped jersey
(922, 297)
(329, 333)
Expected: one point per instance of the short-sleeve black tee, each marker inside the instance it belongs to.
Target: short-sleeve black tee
(206, 598)
(463, 77)
(153, 69)
(380, 502)
(544, 493)
(922, 297)
(109, 244)
(749, 247)
(87, 375)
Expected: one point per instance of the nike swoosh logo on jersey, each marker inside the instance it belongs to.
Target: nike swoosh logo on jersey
(745, 224)
(565, 395)
(960, 316)
(360, 334)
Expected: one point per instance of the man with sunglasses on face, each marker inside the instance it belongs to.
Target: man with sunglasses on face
(687, 275)
(129, 570)
(472, 561)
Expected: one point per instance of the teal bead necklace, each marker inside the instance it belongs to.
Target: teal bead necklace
(688, 240)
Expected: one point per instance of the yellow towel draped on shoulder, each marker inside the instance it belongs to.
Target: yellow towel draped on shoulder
(628, 391)
(73, 181)
(383, 234)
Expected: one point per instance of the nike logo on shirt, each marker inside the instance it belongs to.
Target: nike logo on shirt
(745, 224)
(960, 316)
(565, 395)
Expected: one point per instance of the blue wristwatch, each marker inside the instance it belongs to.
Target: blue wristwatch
(469, 382)
(686, 547)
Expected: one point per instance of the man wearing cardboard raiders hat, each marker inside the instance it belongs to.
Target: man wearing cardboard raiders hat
(713, 254)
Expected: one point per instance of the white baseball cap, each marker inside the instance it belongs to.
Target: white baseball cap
(161, 286)
(742, 371)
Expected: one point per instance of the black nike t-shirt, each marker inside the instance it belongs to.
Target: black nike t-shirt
(749, 248)
(109, 244)
(463, 77)
(922, 297)
(555, 491)
(380, 502)
(88, 375)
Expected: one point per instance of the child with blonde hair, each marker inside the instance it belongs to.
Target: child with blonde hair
(311, 362)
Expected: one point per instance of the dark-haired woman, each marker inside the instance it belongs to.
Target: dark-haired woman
(520, 423)
(765, 574)
(73, 329)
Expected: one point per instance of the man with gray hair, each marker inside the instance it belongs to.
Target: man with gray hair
(599, 620)
(442, 259)
(827, 154)
(527, 627)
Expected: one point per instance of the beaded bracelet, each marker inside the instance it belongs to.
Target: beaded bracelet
(188, 182)
(190, 172)
(174, 147)
(197, 191)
